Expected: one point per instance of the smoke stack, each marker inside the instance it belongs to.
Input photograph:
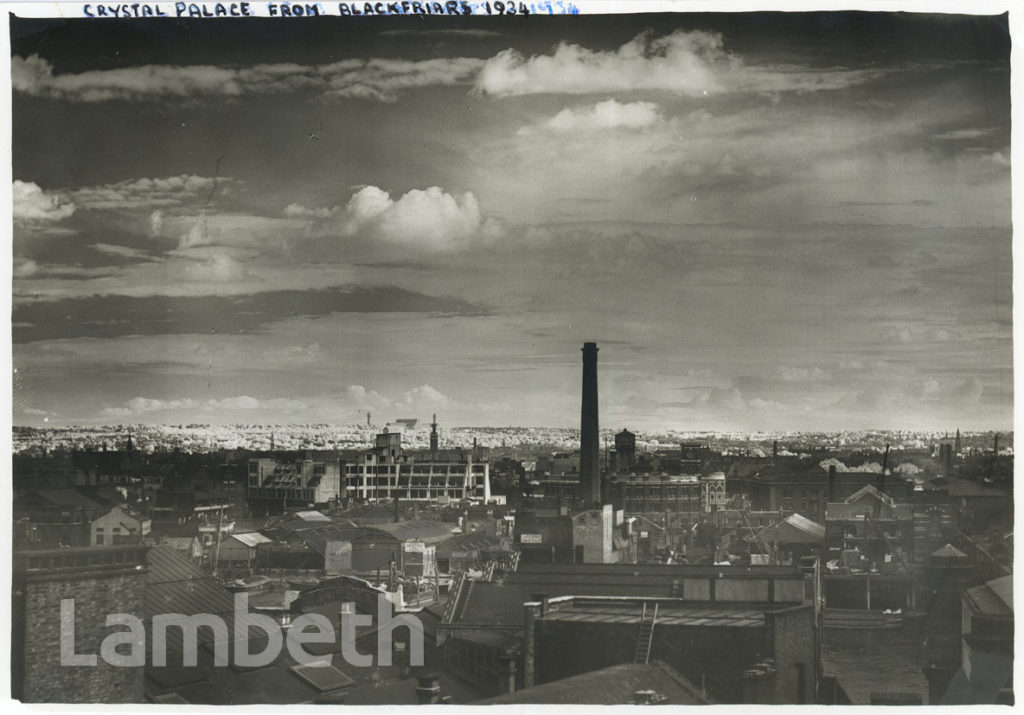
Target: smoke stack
(433, 439)
(590, 446)
(775, 449)
(832, 482)
(368, 423)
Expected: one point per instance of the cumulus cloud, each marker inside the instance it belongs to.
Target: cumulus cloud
(425, 396)
(215, 268)
(430, 218)
(608, 114)
(383, 79)
(35, 76)
(300, 211)
(376, 79)
(366, 399)
(145, 192)
(239, 231)
(142, 405)
(33, 205)
(156, 223)
(688, 63)
(245, 402)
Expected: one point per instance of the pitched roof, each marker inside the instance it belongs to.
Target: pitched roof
(852, 507)
(68, 497)
(949, 552)
(614, 685)
(994, 598)
(869, 490)
(252, 539)
(794, 529)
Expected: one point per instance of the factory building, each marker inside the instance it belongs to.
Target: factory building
(276, 485)
(385, 473)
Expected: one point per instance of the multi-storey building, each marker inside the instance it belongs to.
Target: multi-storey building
(297, 484)
(385, 473)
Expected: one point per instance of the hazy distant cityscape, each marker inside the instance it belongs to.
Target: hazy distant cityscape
(501, 441)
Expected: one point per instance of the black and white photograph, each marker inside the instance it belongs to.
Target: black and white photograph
(510, 353)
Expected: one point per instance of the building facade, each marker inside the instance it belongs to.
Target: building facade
(385, 473)
(118, 525)
(300, 483)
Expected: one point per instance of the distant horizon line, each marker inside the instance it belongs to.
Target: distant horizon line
(125, 425)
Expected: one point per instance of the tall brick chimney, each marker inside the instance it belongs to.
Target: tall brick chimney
(590, 446)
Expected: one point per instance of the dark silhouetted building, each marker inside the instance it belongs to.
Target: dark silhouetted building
(625, 451)
(590, 440)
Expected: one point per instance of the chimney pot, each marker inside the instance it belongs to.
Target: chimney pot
(428, 688)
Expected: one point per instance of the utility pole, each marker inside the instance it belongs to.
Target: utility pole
(220, 527)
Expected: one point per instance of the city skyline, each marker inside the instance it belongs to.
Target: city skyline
(765, 221)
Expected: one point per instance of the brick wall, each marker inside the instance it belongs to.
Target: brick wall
(37, 674)
(792, 632)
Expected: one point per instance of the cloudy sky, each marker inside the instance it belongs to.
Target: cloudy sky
(766, 221)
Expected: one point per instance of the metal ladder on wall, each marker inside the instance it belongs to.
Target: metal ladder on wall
(643, 641)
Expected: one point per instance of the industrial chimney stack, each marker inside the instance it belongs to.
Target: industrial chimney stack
(590, 446)
(433, 439)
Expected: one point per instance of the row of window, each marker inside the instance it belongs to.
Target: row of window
(384, 493)
(406, 469)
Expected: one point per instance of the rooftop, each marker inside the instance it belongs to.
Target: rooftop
(994, 598)
(679, 613)
(794, 529)
(614, 685)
